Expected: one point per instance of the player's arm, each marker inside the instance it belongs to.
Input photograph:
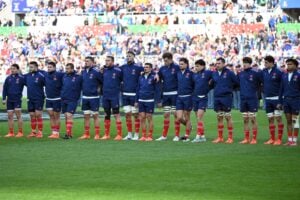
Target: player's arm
(137, 94)
(281, 90)
(5, 91)
(235, 81)
(157, 92)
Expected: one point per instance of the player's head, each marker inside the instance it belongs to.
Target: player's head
(51, 66)
(14, 68)
(269, 61)
(220, 64)
(109, 61)
(89, 61)
(33, 66)
(130, 56)
(247, 61)
(183, 63)
(69, 68)
(168, 58)
(200, 65)
(148, 68)
(292, 64)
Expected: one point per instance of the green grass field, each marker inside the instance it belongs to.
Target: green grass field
(44, 169)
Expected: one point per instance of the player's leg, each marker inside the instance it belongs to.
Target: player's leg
(86, 108)
(220, 120)
(142, 116)
(200, 137)
(252, 117)
(244, 109)
(38, 114)
(33, 119)
(280, 125)
(107, 118)
(50, 111)
(57, 110)
(227, 102)
(150, 126)
(69, 109)
(271, 119)
(116, 112)
(289, 127)
(295, 107)
(166, 103)
(179, 117)
(10, 119)
(188, 103)
(295, 121)
(94, 105)
(128, 116)
(18, 113)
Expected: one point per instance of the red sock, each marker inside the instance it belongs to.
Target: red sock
(247, 134)
(272, 131)
(33, 124)
(143, 132)
(137, 125)
(53, 128)
(220, 130)
(97, 130)
(119, 127)
(200, 128)
(129, 125)
(187, 131)
(107, 127)
(58, 128)
(20, 130)
(177, 128)
(150, 134)
(230, 131)
(254, 132)
(11, 130)
(290, 135)
(296, 131)
(40, 123)
(280, 131)
(87, 130)
(166, 127)
(69, 126)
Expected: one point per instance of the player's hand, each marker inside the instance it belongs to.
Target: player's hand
(156, 77)
(159, 105)
(136, 105)
(279, 106)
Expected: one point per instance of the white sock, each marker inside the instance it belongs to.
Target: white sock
(129, 134)
(290, 139)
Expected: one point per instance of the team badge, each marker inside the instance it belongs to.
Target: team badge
(173, 71)
(251, 77)
(203, 75)
(187, 75)
(114, 75)
(54, 78)
(17, 81)
(133, 72)
(225, 75)
(36, 79)
(274, 76)
(73, 79)
(295, 78)
(91, 76)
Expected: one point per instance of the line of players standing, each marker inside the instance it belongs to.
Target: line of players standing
(174, 87)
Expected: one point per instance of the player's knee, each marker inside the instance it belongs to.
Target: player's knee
(116, 111)
(296, 121)
(87, 112)
(127, 110)
(167, 109)
(107, 114)
(278, 113)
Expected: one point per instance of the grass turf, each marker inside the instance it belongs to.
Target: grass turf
(44, 169)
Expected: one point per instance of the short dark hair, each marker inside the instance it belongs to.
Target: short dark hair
(185, 60)
(111, 57)
(90, 58)
(292, 60)
(52, 64)
(71, 65)
(247, 60)
(34, 63)
(167, 55)
(221, 59)
(270, 59)
(131, 52)
(16, 66)
(200, 62)
(149, 64)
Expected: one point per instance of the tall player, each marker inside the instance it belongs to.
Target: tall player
(201, 79)
(131, 73)
(290, 98)
(168, 76)
(250, 81)
(35, 82)
(53, 85)
(271, 86)
(12, 97)
(70, 94)
(224, 81)
(112, 78)
(184, 102)
(148, 92)
(91, 80)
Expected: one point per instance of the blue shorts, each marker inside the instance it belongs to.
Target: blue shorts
(199, 103)
(169, 100)
(223, 103)
(54, 105)
(35, 105)
(12, 105)
(291, 105)
(128, 100)
(249, 105)
(271, 105)
(110, 103)
(69, 107)
(184, 103)
(90, 104)
(146, 107)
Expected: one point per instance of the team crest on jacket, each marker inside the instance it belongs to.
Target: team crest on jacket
(133, 72)
(114, 75)
(274, 75)
(54, 78)
(173, 71)
(91, 76)
(203, 75)
(225, 75)
(73, 79)
(36, 79)
(295, 78)
(187, 75)
(251, 77)
(17, 81)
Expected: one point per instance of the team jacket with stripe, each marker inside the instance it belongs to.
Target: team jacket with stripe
(225, 83)
(71, 87)
(185, 82)
(168, 76)
(53, 84)
(148, 88)
(201, 82)
(91, 80)
(13, 88)
(250, 82)
(35, 83)
(112, 78)
(271, 82)
(131, 74)
(290, 89)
